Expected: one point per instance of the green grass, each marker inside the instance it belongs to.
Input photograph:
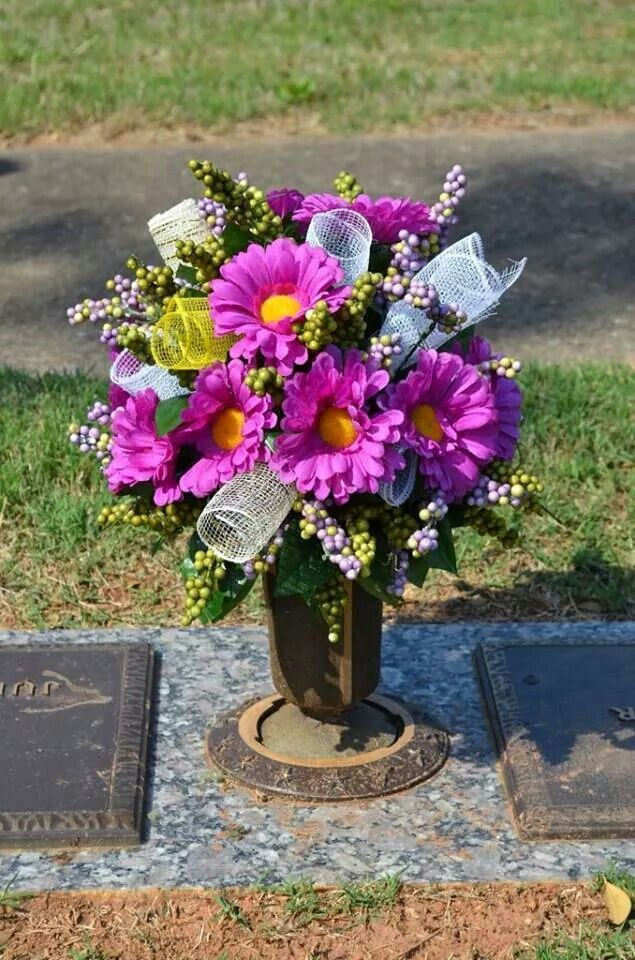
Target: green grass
(589, 944)
(343, 64)
(57, 569)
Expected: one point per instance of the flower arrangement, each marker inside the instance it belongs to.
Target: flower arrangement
(300, 382)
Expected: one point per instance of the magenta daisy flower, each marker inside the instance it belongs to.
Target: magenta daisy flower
(450, 420)
(264, 291)
(138, 454)
(508, 397)
(386, 215)
(225, 422)
(332, 443)
(284, 201)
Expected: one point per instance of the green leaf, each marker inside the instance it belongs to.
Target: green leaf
(379, 577)
(231, 590)
(380, 255)
(156, 546)
(235, 239)
(463, 337)
(444, 557)
(270, 438)
(418, 570)
(302, 567)
(168, 414)
(186, 272)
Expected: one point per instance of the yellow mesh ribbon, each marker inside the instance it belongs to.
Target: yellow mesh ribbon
(183, 339)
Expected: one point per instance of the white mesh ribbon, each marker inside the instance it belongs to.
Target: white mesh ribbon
(182, 222)
(345, 235)
(462, 275)
(245, 513)
(129, 373)
(411, 323)
(397, 492)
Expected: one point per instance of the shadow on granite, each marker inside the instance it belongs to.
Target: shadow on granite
(201, 831)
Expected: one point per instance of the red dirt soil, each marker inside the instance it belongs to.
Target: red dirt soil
(457, 922)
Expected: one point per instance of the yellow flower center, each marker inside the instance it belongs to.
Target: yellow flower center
(426, 423)
(278, 306)
(336, 428)
(227, 429)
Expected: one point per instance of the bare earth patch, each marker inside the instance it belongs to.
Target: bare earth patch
(460, 922)
(134, 131)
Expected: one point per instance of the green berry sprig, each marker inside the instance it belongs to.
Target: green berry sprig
(351, 325)
(207, 258)
(331, 601)
(263, 380)
(210, 570)
(363, 542)
(507, 367)
(168, 520)
(487, 522)
(133, 337)
(347, 186)
(318, 328)
(154, 283)
(246, 204)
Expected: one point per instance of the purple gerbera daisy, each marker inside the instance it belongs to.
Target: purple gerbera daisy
(226, 422)
(386, 215)
(450, 420)
(508, 397)
(138, 454)
(332, 443)
(285, 201)
(264, 291)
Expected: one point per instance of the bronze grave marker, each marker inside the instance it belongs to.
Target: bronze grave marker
(73, 737)
(563, 719)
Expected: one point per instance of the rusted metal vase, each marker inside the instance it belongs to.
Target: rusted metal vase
(321, 678)
(325, 735)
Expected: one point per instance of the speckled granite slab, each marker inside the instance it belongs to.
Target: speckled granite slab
(200, 832)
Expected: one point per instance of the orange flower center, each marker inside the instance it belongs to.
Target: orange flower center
(227, 429)
(336, 428)
(426, 423)
(279, 306)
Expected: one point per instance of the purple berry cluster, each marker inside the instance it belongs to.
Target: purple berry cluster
(259, 564)
(93, 439)
(426, 539)
(454, 187)
(335, 542)
(383, 349)
(214, 213)
(400, 575)
(488, 493)
(99, 413)
(422, 295)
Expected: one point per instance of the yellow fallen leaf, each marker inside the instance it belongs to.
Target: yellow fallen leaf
(618, 903)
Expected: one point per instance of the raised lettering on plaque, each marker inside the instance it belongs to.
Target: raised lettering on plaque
(73, 734)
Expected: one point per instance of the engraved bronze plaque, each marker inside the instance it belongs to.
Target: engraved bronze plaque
(74, 724)
(563, 719)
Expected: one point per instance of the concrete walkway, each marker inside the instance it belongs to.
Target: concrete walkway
(69, 219)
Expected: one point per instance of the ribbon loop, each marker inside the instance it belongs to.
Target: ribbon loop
(397, 492)
(345, 235)
(129, 373)
(181, 222)
(244, 514)
(411, 323)
(183, 339)
(461, 275)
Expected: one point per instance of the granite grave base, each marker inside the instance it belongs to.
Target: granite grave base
(202, 831)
